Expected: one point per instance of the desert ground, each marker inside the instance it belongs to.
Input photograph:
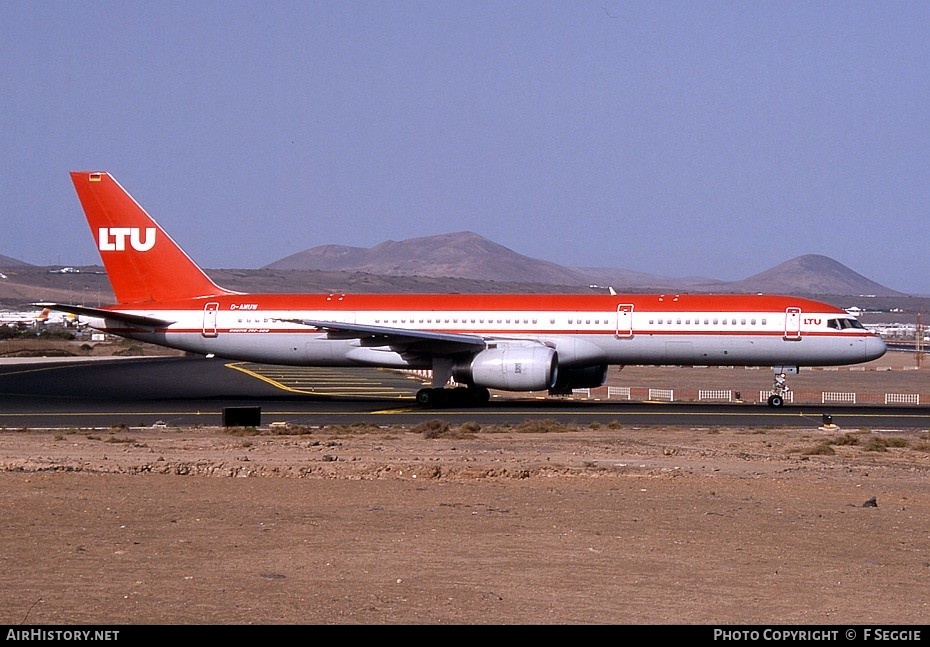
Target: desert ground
(530, 524)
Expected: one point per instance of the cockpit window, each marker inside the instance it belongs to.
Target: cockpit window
(841, 324)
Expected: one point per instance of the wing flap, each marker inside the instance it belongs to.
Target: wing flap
(389, 336)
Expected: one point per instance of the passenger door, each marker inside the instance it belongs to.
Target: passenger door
(209, 319)
(793, 324)
(625, 321)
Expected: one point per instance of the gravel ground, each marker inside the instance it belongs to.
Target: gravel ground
(368, 525)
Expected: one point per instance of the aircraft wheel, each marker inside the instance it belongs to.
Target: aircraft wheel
(776, 401)
(425, 397)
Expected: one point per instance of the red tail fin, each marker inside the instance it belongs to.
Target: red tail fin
(142, 261)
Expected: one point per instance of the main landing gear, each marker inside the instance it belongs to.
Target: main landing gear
(461, 396)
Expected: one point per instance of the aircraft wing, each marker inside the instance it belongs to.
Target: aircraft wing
(112, 315)
(388, 336)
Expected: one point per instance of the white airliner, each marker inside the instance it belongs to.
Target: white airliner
(21, 319)
(515, 342)
(36, 318)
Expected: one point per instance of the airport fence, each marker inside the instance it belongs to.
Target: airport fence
(715, 394)
(711, 393)
(902, 398)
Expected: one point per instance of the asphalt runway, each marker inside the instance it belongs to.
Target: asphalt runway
(177, 391)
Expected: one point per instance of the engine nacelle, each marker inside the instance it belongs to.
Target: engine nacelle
(530, 368)
(586, 377)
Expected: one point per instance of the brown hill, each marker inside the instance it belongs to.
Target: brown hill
(460, 255)
(469, 256)
(812, 274)
(6, 261)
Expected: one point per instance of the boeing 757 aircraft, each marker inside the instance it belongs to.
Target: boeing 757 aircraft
(515, 342)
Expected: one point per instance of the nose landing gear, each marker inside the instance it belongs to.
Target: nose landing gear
(779, 391)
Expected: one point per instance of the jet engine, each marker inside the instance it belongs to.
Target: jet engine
(525, 368)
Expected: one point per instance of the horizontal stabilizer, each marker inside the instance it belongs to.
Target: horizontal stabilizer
(113, 315)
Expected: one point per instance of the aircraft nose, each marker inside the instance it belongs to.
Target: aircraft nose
(874, 347)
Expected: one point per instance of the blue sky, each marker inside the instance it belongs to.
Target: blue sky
(712, 139)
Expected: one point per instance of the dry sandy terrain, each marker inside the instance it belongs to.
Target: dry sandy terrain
(391, 525)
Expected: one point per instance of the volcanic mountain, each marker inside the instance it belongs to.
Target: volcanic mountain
(6, 261)
(467, 255)
(461, 255)
(812, 274)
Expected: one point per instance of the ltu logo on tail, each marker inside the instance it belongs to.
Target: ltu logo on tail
(113, 239)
